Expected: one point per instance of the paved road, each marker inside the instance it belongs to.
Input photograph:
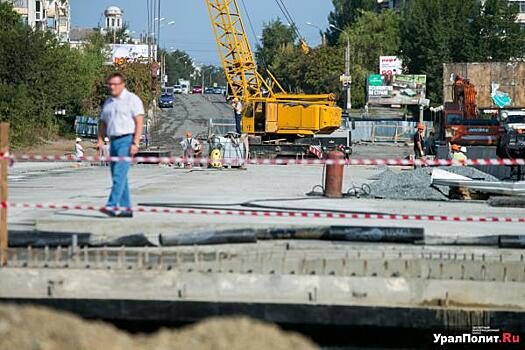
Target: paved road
(190, 113)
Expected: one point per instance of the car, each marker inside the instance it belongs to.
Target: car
(196, 89)
(177, 89)
(219, 91)
(166, 101)
(167, 90)
(209, 90)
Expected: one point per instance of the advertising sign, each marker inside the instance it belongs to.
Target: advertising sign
(396, 89)
(129, 52)
(390, 65)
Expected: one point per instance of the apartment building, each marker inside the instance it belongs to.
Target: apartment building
(52, 15)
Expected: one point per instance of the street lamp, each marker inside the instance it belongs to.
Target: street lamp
(323, 34)
(348, 106)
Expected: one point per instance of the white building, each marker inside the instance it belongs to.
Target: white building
(52, 15)
(114, 18)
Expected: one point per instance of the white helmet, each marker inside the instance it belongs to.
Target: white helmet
(79, 139)
(106, 139)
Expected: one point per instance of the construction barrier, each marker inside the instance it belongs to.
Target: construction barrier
(311, 214)
(265, 161)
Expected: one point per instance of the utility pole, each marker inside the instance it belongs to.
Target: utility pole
(347, 73)
(158, 26)
(348, 85)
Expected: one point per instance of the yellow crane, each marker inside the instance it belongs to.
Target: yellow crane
(269, 111)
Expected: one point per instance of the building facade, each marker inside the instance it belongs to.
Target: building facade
(52, 15)
(114, 18)
(521, 16)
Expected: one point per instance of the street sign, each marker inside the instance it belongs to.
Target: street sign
(345, 78)
(375, 80)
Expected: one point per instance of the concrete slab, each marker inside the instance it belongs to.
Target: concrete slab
(277, 186)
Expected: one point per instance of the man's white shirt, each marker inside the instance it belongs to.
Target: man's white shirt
(118, 113)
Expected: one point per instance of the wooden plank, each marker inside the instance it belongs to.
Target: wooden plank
(4, 164)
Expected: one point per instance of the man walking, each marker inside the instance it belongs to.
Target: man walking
(121, 120)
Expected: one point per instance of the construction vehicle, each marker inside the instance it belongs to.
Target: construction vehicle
(460, 123)
(476, 117)
(274, 118)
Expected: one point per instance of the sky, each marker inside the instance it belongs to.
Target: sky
(192, 31)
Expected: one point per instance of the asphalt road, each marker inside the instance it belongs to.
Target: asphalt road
(190, 113)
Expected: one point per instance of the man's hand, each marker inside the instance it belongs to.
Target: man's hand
(134, 149)
(100, 144)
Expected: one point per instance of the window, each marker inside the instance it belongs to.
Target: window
(522, 6)
(113, 22)
(107, 22)
(38, 9)
(51, 22)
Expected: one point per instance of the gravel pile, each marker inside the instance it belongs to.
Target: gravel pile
(415, 184)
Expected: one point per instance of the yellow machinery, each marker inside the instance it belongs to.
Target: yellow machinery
(269, 111)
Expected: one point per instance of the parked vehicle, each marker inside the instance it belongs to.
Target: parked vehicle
(168, 90)
(177, 89)
(196, 89)
(166, 101)
(185, 86)
(219, 90)
(209, 90)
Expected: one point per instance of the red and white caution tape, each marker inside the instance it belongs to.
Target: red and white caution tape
(279, 213)
(264, 161)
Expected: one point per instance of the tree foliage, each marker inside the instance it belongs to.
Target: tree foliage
(372, 35)
(276, 36)
(345, 13)
(39, 76)
(426, 34)
(500, 35)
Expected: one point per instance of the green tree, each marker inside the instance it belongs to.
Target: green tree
(275, 36)
(346, 13)
(179, 65)
(118, 36)
(39, 75)
(500, 35)
(434, 32)
(371, 35)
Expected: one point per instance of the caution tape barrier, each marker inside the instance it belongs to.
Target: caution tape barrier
(280, 213)
(264, 161)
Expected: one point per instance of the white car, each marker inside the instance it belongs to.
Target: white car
(177, 89)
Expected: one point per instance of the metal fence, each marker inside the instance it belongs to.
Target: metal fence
(86, 126)
(385, 131)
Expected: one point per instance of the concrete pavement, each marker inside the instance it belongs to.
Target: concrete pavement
(264, 186)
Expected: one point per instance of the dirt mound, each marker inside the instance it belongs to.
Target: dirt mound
(36, 328)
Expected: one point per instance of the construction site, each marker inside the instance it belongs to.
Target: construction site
(310, 228)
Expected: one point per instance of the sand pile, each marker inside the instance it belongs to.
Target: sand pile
(36, 328)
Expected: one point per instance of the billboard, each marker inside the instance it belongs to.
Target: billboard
(131, 52)
(390, 65)
(402, 89)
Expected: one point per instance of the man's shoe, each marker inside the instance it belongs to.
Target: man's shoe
(125, 214)
(108, 212)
